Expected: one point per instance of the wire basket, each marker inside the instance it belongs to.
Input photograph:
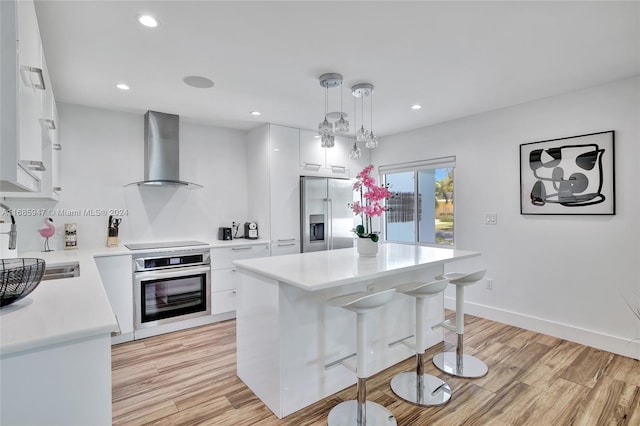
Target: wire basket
(19, 277)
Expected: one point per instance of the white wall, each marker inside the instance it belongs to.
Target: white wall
(562, 275)
(103, 151)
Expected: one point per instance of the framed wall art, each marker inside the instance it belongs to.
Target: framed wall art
(573, 175)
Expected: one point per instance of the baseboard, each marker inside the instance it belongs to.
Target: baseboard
(617, 345)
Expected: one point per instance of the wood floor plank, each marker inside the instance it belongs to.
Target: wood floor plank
(588, 367)
(189, 378)
(545, 371)
(558, 404)
(624, 369)
(609, 403)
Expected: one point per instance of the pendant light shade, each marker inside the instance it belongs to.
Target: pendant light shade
(327, 129)
(362, 91)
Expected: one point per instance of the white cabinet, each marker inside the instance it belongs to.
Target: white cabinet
(285, 247)
(27, 110)
(63, 384)
(274, 184)
(223, 287)
(116, 273)
(31, 87)
(318, 161)
(285, 184)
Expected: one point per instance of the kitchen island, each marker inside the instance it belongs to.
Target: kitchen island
(287, 334)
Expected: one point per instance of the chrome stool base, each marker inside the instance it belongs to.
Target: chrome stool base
(346, 414)
(424, 390)
(469, 366)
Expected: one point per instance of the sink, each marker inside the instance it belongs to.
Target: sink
(19, 277)
(57, 272)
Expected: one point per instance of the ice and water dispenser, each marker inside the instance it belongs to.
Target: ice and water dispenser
(316, 227)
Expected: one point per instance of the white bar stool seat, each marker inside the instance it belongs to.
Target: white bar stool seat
(417, 387)
(458, 363)
(361, 412)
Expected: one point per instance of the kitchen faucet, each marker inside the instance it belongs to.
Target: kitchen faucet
(13, 233)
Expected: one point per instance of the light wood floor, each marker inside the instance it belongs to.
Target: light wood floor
(189, 378)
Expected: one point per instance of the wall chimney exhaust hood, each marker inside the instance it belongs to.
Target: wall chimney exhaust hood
(161, 151)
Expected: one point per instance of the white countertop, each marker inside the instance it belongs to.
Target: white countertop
(58, 311)
(332, 268)
(68, 309)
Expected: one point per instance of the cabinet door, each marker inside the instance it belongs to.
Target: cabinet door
(31, 87)
(285, 247)
(338, 155)
(222, 279)
(285, 183)
(222, 257)
(223, 301)
(117, 278)
(312, 155)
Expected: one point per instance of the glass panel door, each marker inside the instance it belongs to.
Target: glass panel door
(401, 214)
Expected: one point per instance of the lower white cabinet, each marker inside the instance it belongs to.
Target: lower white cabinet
(223, 287)
(117, 278)
(278, 248)
(62, 384)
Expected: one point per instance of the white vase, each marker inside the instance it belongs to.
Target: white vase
(367, 248)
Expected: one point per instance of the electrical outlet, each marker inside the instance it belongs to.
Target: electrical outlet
(489, 283)
(491, 218)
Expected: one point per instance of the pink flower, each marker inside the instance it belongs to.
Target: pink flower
(365, 171)
(372, 199)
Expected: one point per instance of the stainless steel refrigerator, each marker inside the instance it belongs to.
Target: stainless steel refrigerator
(326, 217)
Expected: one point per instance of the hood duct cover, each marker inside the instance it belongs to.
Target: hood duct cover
(162, 151)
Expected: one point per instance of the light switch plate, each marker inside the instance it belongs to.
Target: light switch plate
(491, 218)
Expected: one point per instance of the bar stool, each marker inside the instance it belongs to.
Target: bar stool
(458, 363)
(417, 387)
(360, 411)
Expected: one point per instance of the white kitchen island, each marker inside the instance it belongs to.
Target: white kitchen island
(286, 333)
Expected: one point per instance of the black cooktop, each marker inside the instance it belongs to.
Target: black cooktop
(163, 244)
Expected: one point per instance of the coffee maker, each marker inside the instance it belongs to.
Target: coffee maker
(251, 230)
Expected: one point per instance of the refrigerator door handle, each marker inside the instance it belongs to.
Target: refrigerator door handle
(329, 223)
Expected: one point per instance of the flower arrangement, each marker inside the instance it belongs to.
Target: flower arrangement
(371, 201)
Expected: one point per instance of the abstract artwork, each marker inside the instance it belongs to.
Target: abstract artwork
(573, 175)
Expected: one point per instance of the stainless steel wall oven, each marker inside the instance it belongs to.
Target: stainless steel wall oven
(171, 286)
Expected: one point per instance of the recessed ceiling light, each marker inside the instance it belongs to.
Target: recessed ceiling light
(416, 106)
(198, 81)
(148, 21)
(255, 113)
(122, 86)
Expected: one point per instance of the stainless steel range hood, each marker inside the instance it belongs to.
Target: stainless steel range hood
(161, 151)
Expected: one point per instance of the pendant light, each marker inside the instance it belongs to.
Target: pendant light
(362, 91)
(341, 126)
(372, 141)
(355, 152)
(327, 129)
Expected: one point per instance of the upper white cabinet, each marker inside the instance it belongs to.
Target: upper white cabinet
(315, 160)
(29, 133)
(285, 184)
(274, 183)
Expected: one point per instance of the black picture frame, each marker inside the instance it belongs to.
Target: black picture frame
(568, 176)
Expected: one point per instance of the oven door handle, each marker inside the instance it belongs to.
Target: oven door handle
(171, 273)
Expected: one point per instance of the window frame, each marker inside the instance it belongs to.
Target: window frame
(415, 167)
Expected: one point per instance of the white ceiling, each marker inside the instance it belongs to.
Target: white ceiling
(454, 58)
